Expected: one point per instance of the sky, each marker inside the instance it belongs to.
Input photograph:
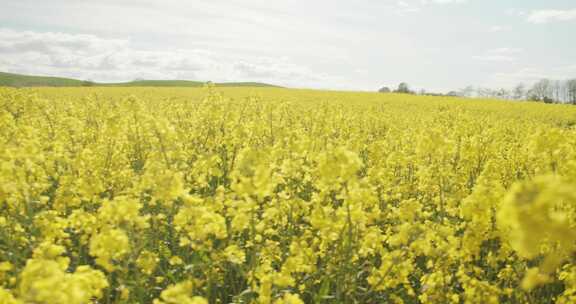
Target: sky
(437, 45)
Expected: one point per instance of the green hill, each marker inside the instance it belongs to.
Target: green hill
(17, 80)
(182, 83)
(246, 84)
(156, 83)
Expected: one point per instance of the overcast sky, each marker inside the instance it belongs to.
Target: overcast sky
(353, 45)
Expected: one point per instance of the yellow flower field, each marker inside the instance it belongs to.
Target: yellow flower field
(245, 195)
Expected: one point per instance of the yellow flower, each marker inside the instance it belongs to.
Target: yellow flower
(7, 298)
(289, 298)
(45, 281)
(175, 260)
(108, 246)
(147, 261)
(122, 210)
(234, 254)
(180, 294)
(534, 278)
(199, 223)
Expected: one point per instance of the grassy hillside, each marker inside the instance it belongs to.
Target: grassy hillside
(246, 84)
(183, 83)
(17, 80)
(156, 83)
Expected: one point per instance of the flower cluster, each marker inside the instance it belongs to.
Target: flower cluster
(141, 195)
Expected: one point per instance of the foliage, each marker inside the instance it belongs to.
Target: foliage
(18, 80)
(403, 88)
(127, 195)
(384, 90)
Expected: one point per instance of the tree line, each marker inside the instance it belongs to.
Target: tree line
(545, 90)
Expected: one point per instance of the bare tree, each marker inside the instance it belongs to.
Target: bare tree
(503, 94)
(571, 91)
(466, 92)
(557, 88)
(485, 92)
(519, 92)
(541, 91)
(545, 90)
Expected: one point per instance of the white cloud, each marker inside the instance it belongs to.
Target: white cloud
(446, 1)
(551, 15)
(515, 12)
(499, 28)
(529, 75)
(505, 50)
(50, 42)
(404, 7)
(103, 59)
(524, 75)
(499, 55)
(495, 58)
(566, 69)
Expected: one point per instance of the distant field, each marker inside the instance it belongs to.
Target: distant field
(17, 80)
(272, 195)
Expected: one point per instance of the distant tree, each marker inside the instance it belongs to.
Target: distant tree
(545, 90)
(403, 88)
(519, 92)
(87, 83)
(541, 91)
(466, 92)
(558, 90)
(502, 93)
(485, 92)
(571, 90)
(384, 90)
(453, 94)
